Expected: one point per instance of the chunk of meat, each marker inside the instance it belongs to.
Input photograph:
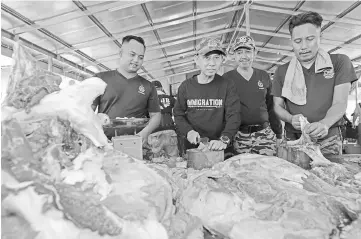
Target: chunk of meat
(27, 85)
(74, 105)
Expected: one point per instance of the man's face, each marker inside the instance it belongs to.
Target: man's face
(306, 41)
(132, 56)
(209, 64)
(245, 57)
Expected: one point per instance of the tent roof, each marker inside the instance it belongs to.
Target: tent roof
(84, 37)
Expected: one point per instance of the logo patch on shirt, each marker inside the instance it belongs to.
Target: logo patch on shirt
(260, 85)
(165, 102)
(141, 90)
(205, 103)
(328, 73)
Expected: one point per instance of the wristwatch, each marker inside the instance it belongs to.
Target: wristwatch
(225, 139)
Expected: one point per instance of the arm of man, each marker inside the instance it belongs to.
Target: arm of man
(232, 112)
(154, 114)
(280, 104)
(280, 109)
(275, 122)
(334, 114)
(180, 110)
(153, 123)
(339, 105)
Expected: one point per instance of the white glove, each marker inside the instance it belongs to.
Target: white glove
(193, 137)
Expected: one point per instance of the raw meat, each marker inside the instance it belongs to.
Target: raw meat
(64, 186)
(52, 200)
(307, 145)
(332, 173)
(27, 85)
(257, 197)
(73, 104)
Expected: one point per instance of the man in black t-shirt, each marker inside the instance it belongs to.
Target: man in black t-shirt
(260, 126)
(166, 103)
(207, 105)
(127, 94)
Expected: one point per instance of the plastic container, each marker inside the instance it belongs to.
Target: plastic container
(352, 148)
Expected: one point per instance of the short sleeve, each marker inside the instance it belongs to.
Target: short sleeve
(277, 84)
(153, 101)
(344, 70)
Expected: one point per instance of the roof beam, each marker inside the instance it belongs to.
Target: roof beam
(343, 13)
(81, 54)
(149, 18)
(46, 52)
(327, 17)
(191, 38)
(87, 13)
(284, 22)
(345, 43)
(141, 28)
(69, 16)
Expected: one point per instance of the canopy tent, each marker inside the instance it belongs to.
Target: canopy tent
(80, 38)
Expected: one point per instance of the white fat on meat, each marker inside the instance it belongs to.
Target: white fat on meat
(73, 103)
(87, 169)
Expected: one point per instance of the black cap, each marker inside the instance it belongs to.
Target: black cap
(157, 84)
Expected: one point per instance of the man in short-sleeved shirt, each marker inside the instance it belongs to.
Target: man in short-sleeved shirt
(327, 91)
(127, 94)
(260, 126)
(166, 103)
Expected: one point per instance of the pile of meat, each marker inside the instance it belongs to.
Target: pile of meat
(61, 179)
(60, 176)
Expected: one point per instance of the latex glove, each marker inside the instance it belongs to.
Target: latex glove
(296, 121)
(217, 145)
(316, 130)
(193, 137)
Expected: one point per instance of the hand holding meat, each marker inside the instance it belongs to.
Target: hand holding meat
(296, 121)
(316, 130)
(216, 145)
(193, 137)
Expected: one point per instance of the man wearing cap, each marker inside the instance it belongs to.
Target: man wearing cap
(260, 127)
(207, 105)
(314, 84)
(127, 94)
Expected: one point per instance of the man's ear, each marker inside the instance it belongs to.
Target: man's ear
(121, 52)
